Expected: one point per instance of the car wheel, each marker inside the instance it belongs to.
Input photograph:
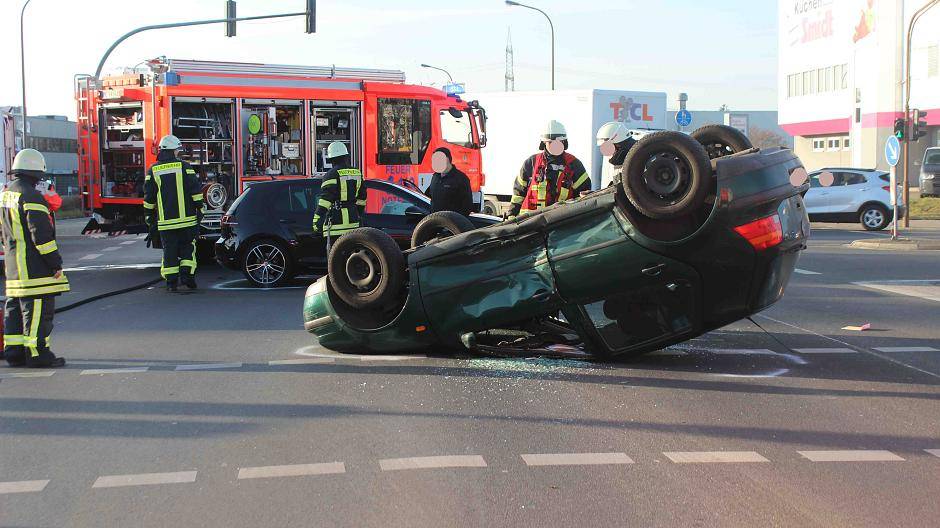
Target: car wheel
(874, 217)
(491, 208)
(721, 140)
(441, 224)
(366, 268)
(267, 264)
(666, 175)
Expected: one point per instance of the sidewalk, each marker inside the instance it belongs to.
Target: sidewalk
(71, 227)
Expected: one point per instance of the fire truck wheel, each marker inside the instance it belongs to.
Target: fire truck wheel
(666, 175)
(721, 140)
(441, 224)
(366, 268)
(266, 263)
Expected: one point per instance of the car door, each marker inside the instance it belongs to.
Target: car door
(848, 192)
(394, 210)
(297, 219)
(817, 197)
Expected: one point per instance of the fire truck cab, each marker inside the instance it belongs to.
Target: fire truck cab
(244, 123)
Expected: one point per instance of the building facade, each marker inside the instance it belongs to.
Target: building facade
(54, 136)
(841, 73)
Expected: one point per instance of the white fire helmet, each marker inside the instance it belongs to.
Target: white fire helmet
(336, 149)
(554, 130)
(170, 142)
(29, 160)
(614, 131)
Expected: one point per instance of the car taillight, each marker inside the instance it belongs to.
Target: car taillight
(762, 234)
(886, 188)
(228, 220)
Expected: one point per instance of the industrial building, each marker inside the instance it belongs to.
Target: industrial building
(54, 136)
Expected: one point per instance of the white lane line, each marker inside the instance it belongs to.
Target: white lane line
(851, 455)
(806, 272)
(113, 267)
(311, 361)
(708, 457)
(23, 486)
(294, 470)
(575, 459)
(128, 242)
(41, 374)
(432, 462)
(666, 352)
(90, 256)
(834, 350)
(890, 350)
(112, 248)
(128, 370)
(208, 366)
(145, 479)
(934, 452)
(745, 351)
(391, 358)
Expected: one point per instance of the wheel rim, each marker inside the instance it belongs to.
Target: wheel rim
(363, 270)
(873, 217)
(668, 176)
(265, 264)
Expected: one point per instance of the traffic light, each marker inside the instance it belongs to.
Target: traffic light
(899, 127)
(311, 16)
(230, 15)
(918, 124)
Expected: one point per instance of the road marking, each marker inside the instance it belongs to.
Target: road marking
(311, 361)
(934, 452)
(733, 351)
(708, 457)
(23, 486)
(208, 366)
(113, 266)
(128, 370)
(90, 256)
(890, 350)
(575, 459)
(41, 374)
(924, 289)
(806, 272)
(390, 358)
(857, 455)
(431, 462)
(128, 242)
(112, 248)
(313, 351)
(666, 352)
(145, 479)
(295, 470)
(835, 350)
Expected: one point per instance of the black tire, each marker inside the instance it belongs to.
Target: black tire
(441, 224)
(492, 208)
(366, 268)
(721, 140)
(666, 175)
(874, 217)
(267, 263)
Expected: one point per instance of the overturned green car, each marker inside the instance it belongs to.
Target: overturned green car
(694, 236)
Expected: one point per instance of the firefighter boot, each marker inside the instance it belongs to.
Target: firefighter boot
(172, 286)
(190, 282)
(15, 356)
(45, 359)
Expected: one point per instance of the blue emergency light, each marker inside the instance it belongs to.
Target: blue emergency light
(455, 88)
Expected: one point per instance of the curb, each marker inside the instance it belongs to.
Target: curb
(903, 244)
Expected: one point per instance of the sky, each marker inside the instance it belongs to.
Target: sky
(719, 52)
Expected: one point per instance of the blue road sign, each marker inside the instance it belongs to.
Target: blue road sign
(683, 118)
(892, 151)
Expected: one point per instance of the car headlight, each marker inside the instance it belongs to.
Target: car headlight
(927, 176)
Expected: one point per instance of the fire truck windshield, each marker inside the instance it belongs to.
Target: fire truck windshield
(456, 127)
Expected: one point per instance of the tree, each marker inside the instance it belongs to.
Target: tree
(724, 108)
(763, 138)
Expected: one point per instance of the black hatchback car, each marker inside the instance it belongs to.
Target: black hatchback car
(267, 232)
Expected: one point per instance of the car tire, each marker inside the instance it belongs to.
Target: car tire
(874, 217)
(266, 263)
(721, 140)
(441, 224)
(366, 268)
(491, 208)
(666, 175)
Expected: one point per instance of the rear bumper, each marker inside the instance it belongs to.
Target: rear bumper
(226, 252)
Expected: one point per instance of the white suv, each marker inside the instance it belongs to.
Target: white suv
(855, 195)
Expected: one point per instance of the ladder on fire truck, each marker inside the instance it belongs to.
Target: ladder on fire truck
(246, 68)
(85, 117)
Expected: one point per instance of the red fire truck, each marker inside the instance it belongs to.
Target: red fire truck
(244, 123)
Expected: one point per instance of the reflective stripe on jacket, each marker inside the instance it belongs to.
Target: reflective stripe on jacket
(342, 201)
(31, 253)
(172, 190)
(543, 181)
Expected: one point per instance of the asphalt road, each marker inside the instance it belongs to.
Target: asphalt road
(216, 409)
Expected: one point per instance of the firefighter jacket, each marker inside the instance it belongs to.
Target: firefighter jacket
(342, 202)
(32, 257)
(172, 193)
(545, 180)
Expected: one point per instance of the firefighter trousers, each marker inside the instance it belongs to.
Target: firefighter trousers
(27, 325)
(179, 254)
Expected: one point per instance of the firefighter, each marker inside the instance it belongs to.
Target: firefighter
(450, 188)
(615, 142)
(173, 203)
(549, 176)
(33, 266)
(342, 196)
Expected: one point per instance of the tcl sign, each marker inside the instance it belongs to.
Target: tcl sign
(626, 110)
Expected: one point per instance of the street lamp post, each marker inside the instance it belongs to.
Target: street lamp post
(23, 70)
(439, 69)
(550, 25)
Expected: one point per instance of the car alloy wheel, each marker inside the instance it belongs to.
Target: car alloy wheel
(873, 218)
(266, 264)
